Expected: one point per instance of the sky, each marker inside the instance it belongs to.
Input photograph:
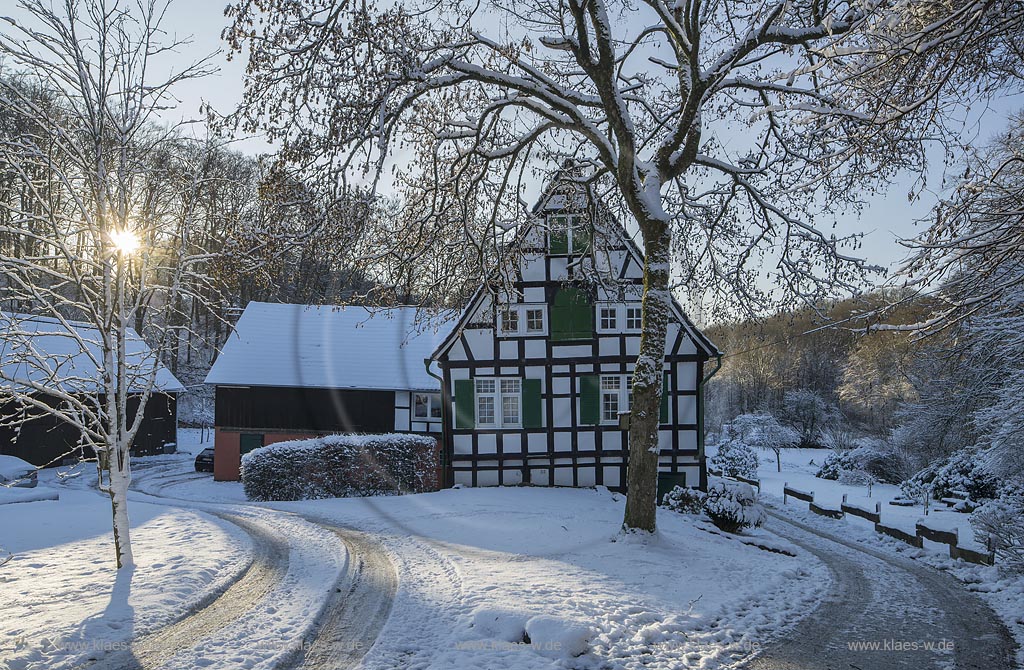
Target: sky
(887, 217)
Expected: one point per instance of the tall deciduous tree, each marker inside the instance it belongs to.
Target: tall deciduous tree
(722, 129)
(94, 245)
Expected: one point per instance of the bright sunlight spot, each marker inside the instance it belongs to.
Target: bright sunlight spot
(125, 241)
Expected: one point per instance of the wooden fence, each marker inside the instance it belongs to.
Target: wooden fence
(916, 539)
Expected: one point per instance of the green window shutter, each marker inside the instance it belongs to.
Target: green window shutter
(664, 399)
(561, 323)
(531, 403)
(465, 404)
(558, 235)
(582, 321)
(572, 316)
(590, 399)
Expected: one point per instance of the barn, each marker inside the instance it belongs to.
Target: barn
(536, 382)
(294, 371)
(39, 349)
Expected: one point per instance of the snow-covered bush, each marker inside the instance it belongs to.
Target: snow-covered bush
(1002, 520)
(964, 472)
(763, 431)
(733, 506)
(856, 477)
(735, 459)
(838, 438)
(338, 466)
(868, 462)
(834, 464)
(684, 500)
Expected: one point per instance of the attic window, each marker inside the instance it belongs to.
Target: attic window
(568, 234)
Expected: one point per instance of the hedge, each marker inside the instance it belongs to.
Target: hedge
(340, 466)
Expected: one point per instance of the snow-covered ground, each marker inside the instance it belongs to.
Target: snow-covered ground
(799, 466)
(484, 570)
(62, 595)
(1005, 594)
(480, 572)
(64, 601)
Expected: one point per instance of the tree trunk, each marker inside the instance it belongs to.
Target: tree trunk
(642, 470)
(778, 460)
(119, 479)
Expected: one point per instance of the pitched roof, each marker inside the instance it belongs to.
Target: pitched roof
(549, 200)
(42, 350)
(324, 346)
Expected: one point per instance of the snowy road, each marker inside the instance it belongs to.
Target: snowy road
(264, 574)
(883, 613)
(344, 628)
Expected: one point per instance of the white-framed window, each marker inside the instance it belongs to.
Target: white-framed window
(634, 318)
(510, 321)
(616, 397)
(619, 318)
(535, 320)
(523, 319)
(486, 402)
(499, 402)
(511, 402)
(609, 317)
(426, 406)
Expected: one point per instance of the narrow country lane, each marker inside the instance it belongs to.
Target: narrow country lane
(885, 613)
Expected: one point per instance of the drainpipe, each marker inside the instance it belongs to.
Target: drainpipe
(444, 421)
(700, 423)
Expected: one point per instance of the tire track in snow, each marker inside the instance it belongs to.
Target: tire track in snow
(875, 598)
(269, 565)
(357, 609)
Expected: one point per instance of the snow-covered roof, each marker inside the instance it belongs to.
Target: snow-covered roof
(323, 346)
(40, 350)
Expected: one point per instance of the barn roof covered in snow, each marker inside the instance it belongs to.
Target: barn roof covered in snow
(331, 347)
(41, 351)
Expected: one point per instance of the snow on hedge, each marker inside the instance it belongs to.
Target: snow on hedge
(341, 466)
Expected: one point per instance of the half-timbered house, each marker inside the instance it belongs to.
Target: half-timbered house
(537, 376)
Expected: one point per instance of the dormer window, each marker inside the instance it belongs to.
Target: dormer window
(568, 234)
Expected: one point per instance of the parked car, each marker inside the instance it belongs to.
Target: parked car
(16, 472)
(204, 461)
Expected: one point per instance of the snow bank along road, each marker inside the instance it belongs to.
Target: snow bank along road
(884, 612)
(254, 622)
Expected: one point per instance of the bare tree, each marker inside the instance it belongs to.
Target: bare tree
(97, 248)
(721, 130)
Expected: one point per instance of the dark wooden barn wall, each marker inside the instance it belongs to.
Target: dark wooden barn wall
(260, 408)
(46, 440)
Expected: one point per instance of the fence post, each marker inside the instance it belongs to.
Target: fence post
(844, 498)
(878, 510)
(785, 485)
